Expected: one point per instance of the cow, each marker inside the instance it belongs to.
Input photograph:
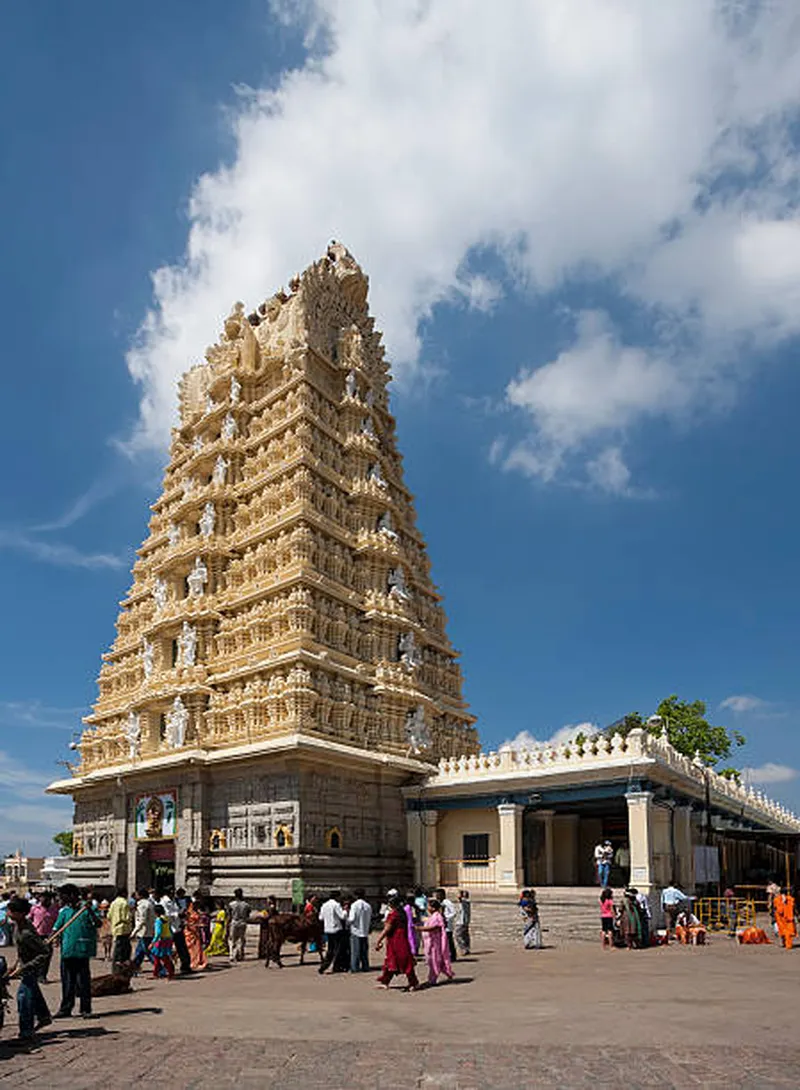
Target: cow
(284, 927)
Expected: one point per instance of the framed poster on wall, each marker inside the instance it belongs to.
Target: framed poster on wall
(156, 816)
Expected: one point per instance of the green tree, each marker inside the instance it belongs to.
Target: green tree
(688, 730)
(64, 842)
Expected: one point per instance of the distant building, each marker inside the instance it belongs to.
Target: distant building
(55, 870)
(21, 871)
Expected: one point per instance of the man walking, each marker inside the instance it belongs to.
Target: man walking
(449, 913)
(78, 947)
(121, 923)
(172, 910)
(360, 919)
(333, 918)
(239, 915)
(33, 955)
(143, 928)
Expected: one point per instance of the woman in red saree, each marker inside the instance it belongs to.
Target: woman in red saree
(193, 936)
(399, 958)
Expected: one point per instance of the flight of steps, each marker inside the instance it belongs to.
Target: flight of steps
(568, 914)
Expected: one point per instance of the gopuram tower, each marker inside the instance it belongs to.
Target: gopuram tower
(281, 667)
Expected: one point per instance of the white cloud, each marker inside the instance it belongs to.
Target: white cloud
(769, 773)
(744, 703)
(644, 146)
(567, 733)
(63, 556)
(33, 713)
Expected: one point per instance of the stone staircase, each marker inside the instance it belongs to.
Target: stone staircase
(568, 914)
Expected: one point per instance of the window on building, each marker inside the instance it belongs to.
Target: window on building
(476, 849)
(176, 650)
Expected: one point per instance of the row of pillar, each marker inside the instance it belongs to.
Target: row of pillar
(659, 840)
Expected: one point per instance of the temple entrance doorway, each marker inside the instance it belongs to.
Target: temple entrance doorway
(155, 865)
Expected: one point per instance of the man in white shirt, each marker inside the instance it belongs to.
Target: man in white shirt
(143, 928)
(449, 913)
(333, 918)
(359, 917)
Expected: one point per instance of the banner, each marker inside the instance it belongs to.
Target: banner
(156, 816)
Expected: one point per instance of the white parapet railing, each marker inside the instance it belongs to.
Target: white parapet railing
(637, 747)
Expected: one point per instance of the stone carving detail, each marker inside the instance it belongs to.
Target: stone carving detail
(197, 579)
(133, 734)
(220, 470)
(177, 722)
(208, 520)
(324, 618)
(160, 593)
(187, 645)
(148, 652)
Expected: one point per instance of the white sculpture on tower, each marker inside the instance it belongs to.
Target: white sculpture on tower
(133, 734)
(368, 428)
(236, 389)
(351, 384)
(187, 645)
(397, 583)
(407, 648)
(208, 520)
(220, 470)
(210, 404)
(174, 533)
(160, 593)
(197, 444)
(189, 487)
(177, 722)
(417, 733)
(229, 428)
(385, 525)
(374, 473)
(197, 579)
(148, 652)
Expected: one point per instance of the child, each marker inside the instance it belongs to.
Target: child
(607, 918)
(33, 953)
(104, 934)
(161, 948)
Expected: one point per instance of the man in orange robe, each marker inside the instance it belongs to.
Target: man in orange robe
(783, 905)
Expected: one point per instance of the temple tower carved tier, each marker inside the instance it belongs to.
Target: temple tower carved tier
(284, 590)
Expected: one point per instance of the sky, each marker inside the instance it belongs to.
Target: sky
(580, 223)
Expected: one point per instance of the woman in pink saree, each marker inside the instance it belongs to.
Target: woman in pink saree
(434, 938)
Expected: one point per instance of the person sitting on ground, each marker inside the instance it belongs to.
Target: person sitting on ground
(689, 929)
(607, 918)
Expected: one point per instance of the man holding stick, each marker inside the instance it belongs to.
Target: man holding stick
(33, 954)
(78, 946)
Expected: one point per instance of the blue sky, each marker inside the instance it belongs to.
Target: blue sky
(587, 270)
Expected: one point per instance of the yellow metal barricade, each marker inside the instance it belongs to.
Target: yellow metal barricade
(725, 913)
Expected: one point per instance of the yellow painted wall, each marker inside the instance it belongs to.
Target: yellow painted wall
(454, 824)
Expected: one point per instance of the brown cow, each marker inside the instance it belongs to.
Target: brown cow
(288, 927)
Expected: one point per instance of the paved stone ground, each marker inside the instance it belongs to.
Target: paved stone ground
(570, 1016)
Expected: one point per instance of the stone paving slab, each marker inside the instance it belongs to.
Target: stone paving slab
(564, 1017)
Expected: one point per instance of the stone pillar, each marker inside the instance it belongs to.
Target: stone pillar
(568, 869)
(118, 869)
(549, 854)
(684, 849)
(640, 838)
(421, 825)
(510, 873)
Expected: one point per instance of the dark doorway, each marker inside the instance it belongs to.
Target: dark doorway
(155, 865)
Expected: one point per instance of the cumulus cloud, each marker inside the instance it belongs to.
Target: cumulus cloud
(644, 147)
(743, 703)
(567, 733)
(769, 773)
